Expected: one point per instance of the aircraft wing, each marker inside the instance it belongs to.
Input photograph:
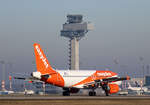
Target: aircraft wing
(100, 82)
(30, 79)
(113, 79)
(104, 84)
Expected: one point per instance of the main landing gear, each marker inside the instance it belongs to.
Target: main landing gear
(92, 93)
(66, 92)
(104, 86)
(106, 89)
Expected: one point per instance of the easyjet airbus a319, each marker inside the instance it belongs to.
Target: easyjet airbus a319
(73, 80)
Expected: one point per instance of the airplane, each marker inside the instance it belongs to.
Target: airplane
(73, 80)
(138, 90)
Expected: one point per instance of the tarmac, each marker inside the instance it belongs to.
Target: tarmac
(74, 100)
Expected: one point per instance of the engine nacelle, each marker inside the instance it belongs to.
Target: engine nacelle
(74, 90)
(114, 88)
(36, 75)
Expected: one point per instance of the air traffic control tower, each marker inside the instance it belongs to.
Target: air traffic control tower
(75, 29)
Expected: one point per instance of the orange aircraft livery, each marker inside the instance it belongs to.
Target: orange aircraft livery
(73, 80)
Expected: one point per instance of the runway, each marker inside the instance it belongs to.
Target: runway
(74, 100)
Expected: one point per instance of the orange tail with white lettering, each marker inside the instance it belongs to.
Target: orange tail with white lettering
(42, 63)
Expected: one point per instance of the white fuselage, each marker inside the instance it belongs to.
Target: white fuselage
(72, 77)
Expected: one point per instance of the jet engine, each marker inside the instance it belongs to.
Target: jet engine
(113, 88)
(36, 75)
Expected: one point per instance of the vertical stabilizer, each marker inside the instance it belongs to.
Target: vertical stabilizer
(129, 85)
(42, 63)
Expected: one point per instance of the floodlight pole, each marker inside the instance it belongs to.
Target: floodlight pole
(3, 75)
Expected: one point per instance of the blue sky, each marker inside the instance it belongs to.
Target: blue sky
(122, 31)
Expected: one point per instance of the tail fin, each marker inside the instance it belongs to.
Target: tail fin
(42, 63)
(129, 85)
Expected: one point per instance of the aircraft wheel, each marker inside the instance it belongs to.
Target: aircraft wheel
(91, 93)
(66, 93)
(94, 93)
(106, 92)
